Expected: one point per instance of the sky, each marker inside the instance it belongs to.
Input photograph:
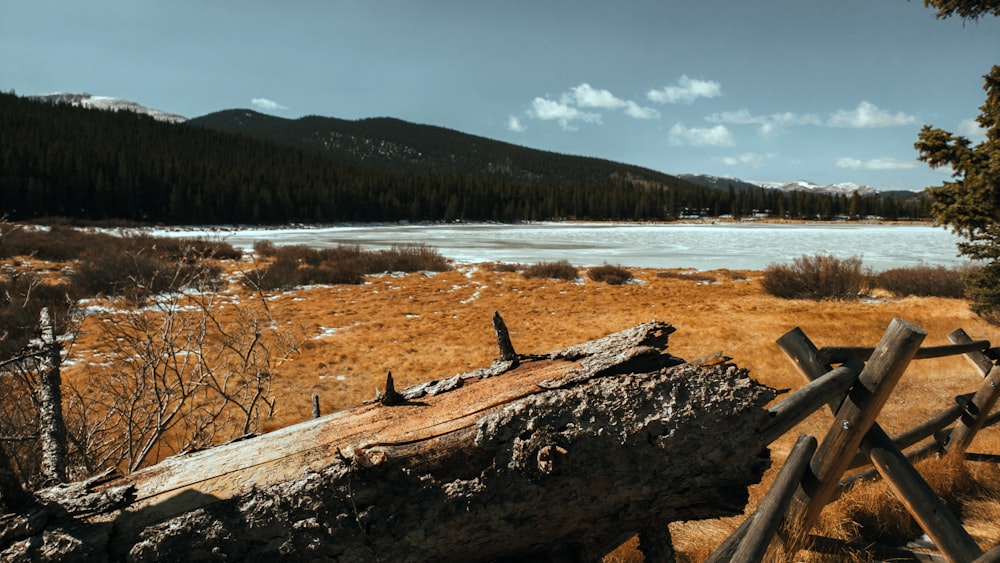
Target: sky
(771, 90)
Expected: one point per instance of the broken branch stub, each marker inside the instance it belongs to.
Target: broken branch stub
(620, 439)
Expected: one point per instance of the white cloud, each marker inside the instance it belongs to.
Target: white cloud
(750, 159)
(633, 109)
(700, 136)
(564, 114)
(687, 90)
(567, 108)
(739, 117)
(768, 124)
(586, 96)
(864, 116)
(514, 124)
(882, 163)
(867, 115)
(265, 104)
(970, 128)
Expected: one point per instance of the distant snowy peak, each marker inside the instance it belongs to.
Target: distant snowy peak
(108, 103)
(846, 188)
(724, 182)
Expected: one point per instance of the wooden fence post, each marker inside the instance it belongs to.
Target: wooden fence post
(803, 353)
(854, 418)
(921, 501)
(791, 410)
(767, 518)
(982, 402)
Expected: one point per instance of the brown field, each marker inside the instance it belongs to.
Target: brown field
(424, 326)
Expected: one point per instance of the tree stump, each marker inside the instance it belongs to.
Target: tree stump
(560, 455)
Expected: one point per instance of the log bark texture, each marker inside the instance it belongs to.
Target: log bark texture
(556, 456)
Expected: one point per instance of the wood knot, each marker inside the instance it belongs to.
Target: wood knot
(391, 397)
(550, 459)
(369, 458)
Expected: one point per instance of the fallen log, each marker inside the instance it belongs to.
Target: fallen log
(565, 454)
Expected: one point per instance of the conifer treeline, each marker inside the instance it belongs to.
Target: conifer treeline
(58, 160)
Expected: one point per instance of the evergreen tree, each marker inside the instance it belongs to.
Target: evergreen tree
(970, 203)
(965, 9)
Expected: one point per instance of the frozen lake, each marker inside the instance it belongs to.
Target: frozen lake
(750, 246)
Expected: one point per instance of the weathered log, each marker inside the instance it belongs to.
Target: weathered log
(566, 455)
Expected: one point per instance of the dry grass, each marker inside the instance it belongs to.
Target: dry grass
(424, 326)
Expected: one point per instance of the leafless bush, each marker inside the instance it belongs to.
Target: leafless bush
(138, 271)
(265, 248)
(408, 258)
(23, 294)
(177, 376)
(180, 249)
(923, 281)
(612, 275)
(503, 267)
(297, 265)
(57, 243)
(817, 277)
(19, 432)
(561, 270)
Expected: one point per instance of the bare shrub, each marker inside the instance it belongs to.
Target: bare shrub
(410, 258)
(817, 277)
(177, 376)
(611, 275)
(181, 249)
(62, 243)
(23, 294)
(297, 265)
(122, 273)
(503, 267)
(19, 428)
(137, 267)
(280, 274)
(923, 281)
(265, 248)
(334, 272)
(58, 243)
(560, 270)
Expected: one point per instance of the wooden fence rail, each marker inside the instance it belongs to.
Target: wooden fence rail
(855, 393)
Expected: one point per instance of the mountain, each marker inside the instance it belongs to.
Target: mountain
(723, 183)
(394, 144)
(61, 159)
(239, 166)
(846, 188)
(108, 104)
(718, 182)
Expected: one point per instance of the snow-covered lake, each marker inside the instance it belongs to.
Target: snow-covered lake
(749, 246)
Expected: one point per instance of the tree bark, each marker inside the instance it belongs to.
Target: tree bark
(566, 455)
(50, 419)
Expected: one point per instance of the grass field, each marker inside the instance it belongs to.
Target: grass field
(424, 326)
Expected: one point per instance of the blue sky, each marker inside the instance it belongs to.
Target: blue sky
(773, 90)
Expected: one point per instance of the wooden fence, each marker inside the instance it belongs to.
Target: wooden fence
(855, 392)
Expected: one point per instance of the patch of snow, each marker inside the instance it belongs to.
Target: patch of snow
(474, 296)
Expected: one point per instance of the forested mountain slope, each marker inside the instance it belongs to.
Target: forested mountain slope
(59, 160)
